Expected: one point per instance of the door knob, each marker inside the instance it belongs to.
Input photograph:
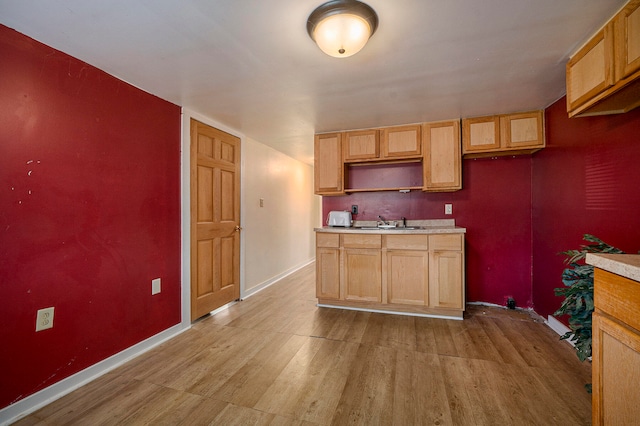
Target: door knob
(238, 228)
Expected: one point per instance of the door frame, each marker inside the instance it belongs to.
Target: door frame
(185, 208)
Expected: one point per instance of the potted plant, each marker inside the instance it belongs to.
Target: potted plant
(578, 294)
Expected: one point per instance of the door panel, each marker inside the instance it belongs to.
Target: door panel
(215, 219)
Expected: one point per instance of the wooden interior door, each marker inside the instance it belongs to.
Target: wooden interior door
(215, 219)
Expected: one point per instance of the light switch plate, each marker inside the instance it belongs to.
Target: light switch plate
(448, 209)
(155, 286)
(44, 319)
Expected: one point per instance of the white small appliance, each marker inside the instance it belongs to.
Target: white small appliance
(337, 218)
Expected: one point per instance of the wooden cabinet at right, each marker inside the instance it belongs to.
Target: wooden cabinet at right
(603, 76)
(615, 350)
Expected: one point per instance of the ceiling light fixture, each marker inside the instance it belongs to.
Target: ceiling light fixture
(341, 28)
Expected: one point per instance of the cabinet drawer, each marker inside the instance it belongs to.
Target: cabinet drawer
(361, 241)
(446, 242)
(407, 242)
(327, 240)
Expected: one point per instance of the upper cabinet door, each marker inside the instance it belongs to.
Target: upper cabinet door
(481, 134)
(524, 130)
(361, 145)
(442, 158)
(627, 27)
(401, 142)
(591, 70)
(328, 166)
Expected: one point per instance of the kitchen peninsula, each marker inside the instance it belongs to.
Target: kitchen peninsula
(413, 270)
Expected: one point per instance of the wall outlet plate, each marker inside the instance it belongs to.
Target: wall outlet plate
(448, 209)
(354, 209)
(44, 319)
(156, 286)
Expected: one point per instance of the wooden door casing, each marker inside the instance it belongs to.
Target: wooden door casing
(215, 218)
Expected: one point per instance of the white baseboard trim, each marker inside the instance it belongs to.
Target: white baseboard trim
(558, 327)
(28, 405)
(382, 311)
(273, 280)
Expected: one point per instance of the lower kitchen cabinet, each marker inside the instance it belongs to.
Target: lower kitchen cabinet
(328, 266)
(362, 275)
(615, 349)
(408, 277)
(409, 273)
(327, 273)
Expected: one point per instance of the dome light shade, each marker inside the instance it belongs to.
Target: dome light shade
(341, 28)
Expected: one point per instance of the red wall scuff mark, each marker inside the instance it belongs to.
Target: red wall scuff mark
(89, 214)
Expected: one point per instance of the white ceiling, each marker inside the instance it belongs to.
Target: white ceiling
(250, 65)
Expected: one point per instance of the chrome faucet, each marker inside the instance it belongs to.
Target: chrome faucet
(384, 222)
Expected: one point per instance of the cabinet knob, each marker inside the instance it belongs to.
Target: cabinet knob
(238, 228)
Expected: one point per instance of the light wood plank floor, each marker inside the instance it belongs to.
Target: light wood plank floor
(277, 359)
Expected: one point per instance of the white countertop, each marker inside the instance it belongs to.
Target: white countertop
(626, 265)
(434, 226)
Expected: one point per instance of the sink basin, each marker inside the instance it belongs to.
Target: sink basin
(384, 227)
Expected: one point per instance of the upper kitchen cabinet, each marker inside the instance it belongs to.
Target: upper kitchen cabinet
(603, 77)
(401, 142)
(442, 160)
(361, 145)
(507, 134)
(328, 165)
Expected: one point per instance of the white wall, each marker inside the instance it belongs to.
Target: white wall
(278, 237)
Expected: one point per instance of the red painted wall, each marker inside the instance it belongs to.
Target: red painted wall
(587, 180)
(89, 214)
(495, 208)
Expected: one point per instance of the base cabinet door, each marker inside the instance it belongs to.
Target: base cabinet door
(363, 275)
(446, 271)
(408, 277)
(327, 273)
(616, 372)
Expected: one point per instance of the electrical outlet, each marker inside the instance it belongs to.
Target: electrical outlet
(44, 319)
(155, 286)
(354, 209)
(448, 209)
(261, 202)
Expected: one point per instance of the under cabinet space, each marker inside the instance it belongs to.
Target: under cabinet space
(388, 176)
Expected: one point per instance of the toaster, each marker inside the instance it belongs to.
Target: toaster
(336, 218)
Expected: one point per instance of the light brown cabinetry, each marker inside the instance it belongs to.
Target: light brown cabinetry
(603, 77)
(407, 262)
(507, 134)
(361, 145)
(615, 350)
(328, 266)
(362, 272)
(401, 142)
(328, 165)
(442, 164)
(446, 267)
(413, 273)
